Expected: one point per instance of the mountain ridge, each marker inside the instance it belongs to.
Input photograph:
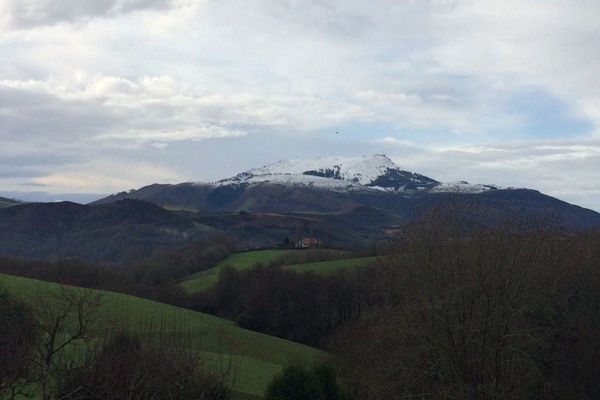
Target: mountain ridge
(338, 185)
(6, 202)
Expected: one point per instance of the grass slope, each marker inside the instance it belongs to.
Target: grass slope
(327, 267)
(257, 357)
(240, 261)
(246, 260)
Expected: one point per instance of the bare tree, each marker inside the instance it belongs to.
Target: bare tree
(64, 316)
(454, 319)
(129, 367)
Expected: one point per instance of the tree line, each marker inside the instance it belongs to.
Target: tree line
(302, 307)
(153, 278)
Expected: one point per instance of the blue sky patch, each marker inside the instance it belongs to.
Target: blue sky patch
(545, 116)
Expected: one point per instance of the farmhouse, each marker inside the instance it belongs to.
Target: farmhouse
(308, 243)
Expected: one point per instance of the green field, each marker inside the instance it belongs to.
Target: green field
(179, 208)
(240, 261)
(326, 267)
(257, 357)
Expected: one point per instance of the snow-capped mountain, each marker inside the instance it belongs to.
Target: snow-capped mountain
(359, 170)
(367, 193)
(377, 172)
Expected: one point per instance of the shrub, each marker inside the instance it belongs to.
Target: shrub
(294, 383)
(127, 368)
(298, 383)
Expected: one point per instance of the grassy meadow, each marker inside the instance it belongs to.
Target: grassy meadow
(240, 261)
(245, 260)
(327, 267)
(255, 357)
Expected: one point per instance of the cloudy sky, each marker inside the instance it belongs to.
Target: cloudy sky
(104, 96)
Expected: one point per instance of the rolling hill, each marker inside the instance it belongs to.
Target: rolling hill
(240, 261)
(257, 357)
(327, 267)
(4, 202)
(119, 231)
(246, 260)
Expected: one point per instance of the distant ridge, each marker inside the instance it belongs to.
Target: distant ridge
(5, 202)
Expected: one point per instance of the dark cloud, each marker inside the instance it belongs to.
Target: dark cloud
(20, 172)
(33, 163)
(34, 113)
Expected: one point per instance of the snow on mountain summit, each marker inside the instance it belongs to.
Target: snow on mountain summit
(361, 170)
(376, 172)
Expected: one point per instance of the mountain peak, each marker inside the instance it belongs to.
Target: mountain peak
(354, 169)
(377, 171)
(382, 157)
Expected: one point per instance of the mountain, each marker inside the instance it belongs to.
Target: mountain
(344, 187)
(291, 183)
(376, 172)
(119, 231)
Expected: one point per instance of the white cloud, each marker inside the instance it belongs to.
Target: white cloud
(151, 109)
(114, 176)
(552, 44)
(158, 138)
